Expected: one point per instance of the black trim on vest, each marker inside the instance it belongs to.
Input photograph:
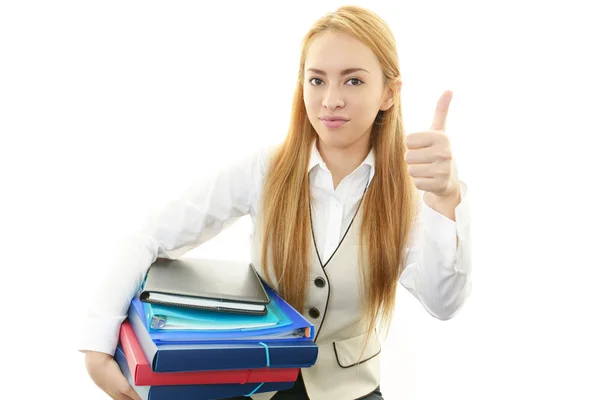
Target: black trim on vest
(345, 233)
(350, 366)
(319, 257)
(326, 277)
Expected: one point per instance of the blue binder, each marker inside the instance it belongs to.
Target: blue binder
(292, 331)
(162, 317)
(196, 392)
(179, 351)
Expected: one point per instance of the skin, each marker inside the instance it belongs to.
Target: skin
(357, 95)
(330, 89)
(106, 374)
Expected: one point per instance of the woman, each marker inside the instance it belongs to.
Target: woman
(336, 205)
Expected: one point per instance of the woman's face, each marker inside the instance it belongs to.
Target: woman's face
(343, 79)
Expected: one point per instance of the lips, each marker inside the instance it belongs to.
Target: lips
(333, 121)
(336, 123)
(333, 118)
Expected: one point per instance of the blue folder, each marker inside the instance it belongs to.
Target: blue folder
(179, 351)
(196, 392)
(165, 317)
(298, 326)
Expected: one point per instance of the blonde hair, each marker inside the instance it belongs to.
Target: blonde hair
(388, 206)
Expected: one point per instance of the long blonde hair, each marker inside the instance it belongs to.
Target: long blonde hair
(388, 206)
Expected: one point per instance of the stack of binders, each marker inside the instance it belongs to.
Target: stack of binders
(211, 329)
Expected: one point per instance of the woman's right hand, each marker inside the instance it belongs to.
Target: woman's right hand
(106, 374)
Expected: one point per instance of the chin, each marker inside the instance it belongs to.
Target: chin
(339, 141)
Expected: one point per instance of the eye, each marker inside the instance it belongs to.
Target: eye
(319, 82)
(355, 80)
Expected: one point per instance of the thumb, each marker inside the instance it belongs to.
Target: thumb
(441, 112)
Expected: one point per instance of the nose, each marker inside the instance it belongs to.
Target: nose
(333, 99)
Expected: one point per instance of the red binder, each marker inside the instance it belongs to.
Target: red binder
(143, 375)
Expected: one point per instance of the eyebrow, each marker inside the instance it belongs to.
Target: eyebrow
(344, 72)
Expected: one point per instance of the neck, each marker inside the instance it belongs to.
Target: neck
(341, 161)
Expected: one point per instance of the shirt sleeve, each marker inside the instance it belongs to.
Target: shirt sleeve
(437, 271)
(203, 210)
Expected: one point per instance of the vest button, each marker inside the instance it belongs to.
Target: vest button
(314, 313)
(319, 282)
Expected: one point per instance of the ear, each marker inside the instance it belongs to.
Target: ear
(388, 100)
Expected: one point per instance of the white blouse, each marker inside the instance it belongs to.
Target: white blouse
(437, 272)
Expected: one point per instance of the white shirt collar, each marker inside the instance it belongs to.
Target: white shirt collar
(316, 159)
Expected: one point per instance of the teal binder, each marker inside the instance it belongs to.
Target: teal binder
(162, 317)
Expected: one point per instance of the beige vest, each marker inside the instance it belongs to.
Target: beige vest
(335, 310)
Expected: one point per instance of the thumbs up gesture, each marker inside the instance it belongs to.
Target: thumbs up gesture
(429, 156)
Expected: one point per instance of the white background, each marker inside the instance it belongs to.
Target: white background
(109, 108)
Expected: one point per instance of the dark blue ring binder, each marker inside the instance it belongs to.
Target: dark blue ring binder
(254, 391)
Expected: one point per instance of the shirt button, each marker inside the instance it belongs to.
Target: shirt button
(314, 313)
(319, 282)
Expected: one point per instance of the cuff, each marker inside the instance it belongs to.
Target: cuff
(441, 228)
(100, 334)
